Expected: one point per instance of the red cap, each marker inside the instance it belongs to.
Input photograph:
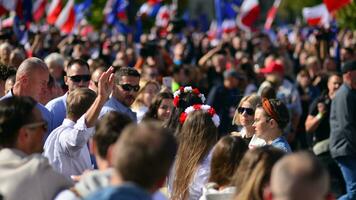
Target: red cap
(272, 67)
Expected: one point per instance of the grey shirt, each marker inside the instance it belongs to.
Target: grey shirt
(343, 123)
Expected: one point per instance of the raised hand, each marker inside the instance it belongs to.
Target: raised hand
(106, 83)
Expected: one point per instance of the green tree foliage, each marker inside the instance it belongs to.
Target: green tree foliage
(346, 17)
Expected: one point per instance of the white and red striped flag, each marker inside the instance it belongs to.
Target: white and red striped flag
(163, 16)
(53, 11)
(317, 15)
(38, 9)
(272, 14)
(248, 14)
(334, 5)
(66, 20)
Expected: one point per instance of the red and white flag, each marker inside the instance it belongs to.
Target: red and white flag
(317, 15)
(334, 5)
(7, 5)
(229, 26)
(272, 14)
(163, 16)
(53, 11)
(66, 20)
(248, 14)
(38, 9)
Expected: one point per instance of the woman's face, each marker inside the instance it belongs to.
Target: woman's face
(165, 109)
(150, 91)
(261, 123)
(246, 118)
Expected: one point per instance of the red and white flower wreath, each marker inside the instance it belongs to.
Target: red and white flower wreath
(186, 90)
(205, 108)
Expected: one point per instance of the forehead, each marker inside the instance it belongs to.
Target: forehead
(259, 112)
(335, 79)
(77, 69)
(166, 102)
(130, 79)
(246, 104)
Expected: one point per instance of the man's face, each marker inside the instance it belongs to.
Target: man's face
(126, 90)
(37, 83)
(78, 76)
(334, 83)
(36, 131)
(95, 80)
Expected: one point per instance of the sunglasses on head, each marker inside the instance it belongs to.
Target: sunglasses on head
(248, 111)
(128, 87)
(78, 78)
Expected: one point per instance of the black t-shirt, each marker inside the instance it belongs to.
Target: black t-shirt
(323, 130)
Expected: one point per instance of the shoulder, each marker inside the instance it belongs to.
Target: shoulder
(59, 101)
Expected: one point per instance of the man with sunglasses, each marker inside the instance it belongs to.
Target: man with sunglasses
(78, 76)
(25, 173)
(124, 92)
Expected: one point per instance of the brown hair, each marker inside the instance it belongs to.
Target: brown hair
(275, 109)
(226, 157)
(156, 102)
(144, 153)
(254, 172)
(197, 137)
(78, 102)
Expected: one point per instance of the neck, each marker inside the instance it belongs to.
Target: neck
(250, 131)
(274, 134)
(102, 163)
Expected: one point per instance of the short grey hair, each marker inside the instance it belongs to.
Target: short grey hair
(54, 59)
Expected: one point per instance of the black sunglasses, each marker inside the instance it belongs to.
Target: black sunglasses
(248, 111)
(78, 78)
(128, 87)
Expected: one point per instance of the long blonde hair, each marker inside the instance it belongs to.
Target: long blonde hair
(252, 99)
(139, 99)
(197, 137)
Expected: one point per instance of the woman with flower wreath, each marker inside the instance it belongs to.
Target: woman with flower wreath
(198, 135)
(183, 98)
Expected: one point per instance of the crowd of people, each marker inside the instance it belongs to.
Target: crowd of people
(178, 115)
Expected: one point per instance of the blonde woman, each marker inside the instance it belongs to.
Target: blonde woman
(244, 118)
(148, 91)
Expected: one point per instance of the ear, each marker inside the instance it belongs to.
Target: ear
(65, 80)
(273, 123)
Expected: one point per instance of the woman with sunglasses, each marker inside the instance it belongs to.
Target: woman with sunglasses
(271, 117)
(244, 118)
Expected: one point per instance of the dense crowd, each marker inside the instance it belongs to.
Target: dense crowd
(178, 114)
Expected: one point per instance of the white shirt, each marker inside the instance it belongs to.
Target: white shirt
(66, 147)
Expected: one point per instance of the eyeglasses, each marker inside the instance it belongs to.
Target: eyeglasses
(78, 78)
(128, 87)
(42, 124)
(248, 111)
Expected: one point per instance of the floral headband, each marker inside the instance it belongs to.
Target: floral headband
(187, 89)
(204, 108)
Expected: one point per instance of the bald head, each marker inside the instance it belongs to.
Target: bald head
(31, 78)
(299, 176)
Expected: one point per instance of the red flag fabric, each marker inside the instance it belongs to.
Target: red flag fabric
(53, 11)
(249, 12)
(334, 5)
(272, 14)
(66, 20)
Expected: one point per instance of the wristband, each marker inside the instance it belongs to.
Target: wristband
(319, 116)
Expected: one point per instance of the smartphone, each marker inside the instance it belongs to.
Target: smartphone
(167, 81)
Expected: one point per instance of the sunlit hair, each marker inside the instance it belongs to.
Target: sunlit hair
(226, 157)
(139, 99)
(197, 137)
(254, 172)
(253, 100)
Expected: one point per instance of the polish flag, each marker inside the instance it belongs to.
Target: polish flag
(6, 6)
(66, 20)
(38, 9)
(316, 15)
(334, 5)
(249, 12)
(163, 16)
(272, 14)
(54, 10)
(228, 26)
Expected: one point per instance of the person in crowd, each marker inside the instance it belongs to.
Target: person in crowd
(77, 76)
(55, 64)
(299, 176)
(107, 131)
(66, 147)
(254, 171)
(139, 146)
(94, 80)
(196, 139)
(271, 117)
(224, 98)
(5, 51)
(31, 80)
(25, 173)
(144, 98)
(226, 157)
(183, 98)
(318, 129)
(244, 117)
(9, 83)
(161, 107)
(343, 128)
(5, 72)
(285, 91)
(53, 91)
(124, 92)
(17, 56)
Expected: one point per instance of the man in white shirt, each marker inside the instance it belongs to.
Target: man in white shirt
(66, 147)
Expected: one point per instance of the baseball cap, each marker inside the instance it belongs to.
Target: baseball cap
(272, 67)
(348, 66)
